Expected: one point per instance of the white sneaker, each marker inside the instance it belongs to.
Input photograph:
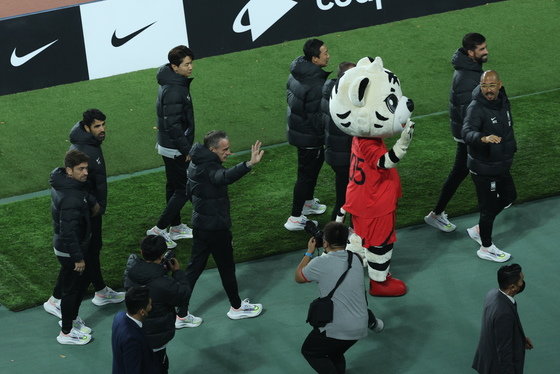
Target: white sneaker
(107, 296)
(52, 306)
(439, 221)
(474, 233)
(75, 337)
(246, 310)
(163, 233)
(187, 321)
(313, 207)
(79, 325)
(180, 232)
(492, 253)
(379, 326)
(297, 223)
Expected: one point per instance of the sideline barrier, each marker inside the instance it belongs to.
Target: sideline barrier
(110, 37)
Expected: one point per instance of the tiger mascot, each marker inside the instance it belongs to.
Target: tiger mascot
(367, 103)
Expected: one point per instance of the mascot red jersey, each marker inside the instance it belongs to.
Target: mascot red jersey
(367, 103)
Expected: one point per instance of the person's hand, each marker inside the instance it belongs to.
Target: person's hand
(80, 266)
(188, 158)
(256, 153)
(528, 343)
(491, 139)
(95, 210)
(174, 264)
(311, 245)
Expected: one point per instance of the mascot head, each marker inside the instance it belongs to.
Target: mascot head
(367, 101)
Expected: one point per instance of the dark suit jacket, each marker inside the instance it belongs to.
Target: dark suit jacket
(131, 352)
(501, 348)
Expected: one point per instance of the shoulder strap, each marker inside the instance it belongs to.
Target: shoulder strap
(330, 295)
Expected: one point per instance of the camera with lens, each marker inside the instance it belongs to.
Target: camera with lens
(168, 258)
(314, 231)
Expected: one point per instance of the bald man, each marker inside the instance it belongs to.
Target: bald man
(488, 133)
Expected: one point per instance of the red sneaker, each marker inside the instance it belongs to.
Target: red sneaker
(390, 287)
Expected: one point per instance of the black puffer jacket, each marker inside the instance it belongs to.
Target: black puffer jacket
(465, 78)
(338, 144)
(304, 92)
(174, 110)
(207, 184)
(484, 118)
(166, 293)
(85, 142)
(70, 209)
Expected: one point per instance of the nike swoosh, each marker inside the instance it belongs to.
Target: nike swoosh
(117, 42)
(18, 61)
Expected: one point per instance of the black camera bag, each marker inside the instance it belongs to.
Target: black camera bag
(321, 309)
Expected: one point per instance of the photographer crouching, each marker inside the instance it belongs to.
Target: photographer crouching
(167, 293)
(340, 323)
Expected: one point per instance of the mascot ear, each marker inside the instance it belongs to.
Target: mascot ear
(357, 91)
(376, 66)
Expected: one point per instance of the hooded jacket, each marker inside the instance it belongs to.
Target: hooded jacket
(166, 293)
(338, 144)
(96, 183)
(70, 209)
(207, 184)
(465, 78)
(304, 93)
(174, 110)
(489, 117)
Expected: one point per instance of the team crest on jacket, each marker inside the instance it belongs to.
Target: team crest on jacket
(367, 101)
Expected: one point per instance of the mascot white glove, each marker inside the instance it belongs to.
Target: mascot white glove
(401, 146)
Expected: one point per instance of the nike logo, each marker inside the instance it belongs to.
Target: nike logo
(117, 42)
(16, 61)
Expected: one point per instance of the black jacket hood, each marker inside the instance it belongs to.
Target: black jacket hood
(492, 104)
(461, 61)
(78, 135)
(166, 76)
(200, 154)
(59, 180)
(303, 69)
(143, 272)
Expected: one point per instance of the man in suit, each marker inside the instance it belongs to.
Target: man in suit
(502, 344)
(131, 351)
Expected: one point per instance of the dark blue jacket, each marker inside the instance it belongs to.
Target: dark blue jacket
(131, 352)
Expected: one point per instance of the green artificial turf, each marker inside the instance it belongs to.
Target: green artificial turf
(244, 92)
(261, 202)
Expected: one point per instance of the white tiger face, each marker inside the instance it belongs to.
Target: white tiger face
(367, 101)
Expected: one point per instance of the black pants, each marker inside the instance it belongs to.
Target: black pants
(456, 176)
(175, 191)
(162, 361)
(309, 166)
(341, 182)
(218, 244)
(73, 286)
(324, 354)
(494, 193)
(93, 266)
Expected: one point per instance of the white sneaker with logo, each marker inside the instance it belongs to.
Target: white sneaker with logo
(164, 234)
(246, 310)
(180, 232)
(439, 221)
(313, 207)
(107, 296)
(297, 223)
(52, 306)
(187, 321)
(492, 253)
(474, 233)
(74, 337)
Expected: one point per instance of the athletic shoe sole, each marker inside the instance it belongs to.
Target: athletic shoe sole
(180, 236)
(244, 315)
(104, 301)
(493, 257)
(439, 225)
